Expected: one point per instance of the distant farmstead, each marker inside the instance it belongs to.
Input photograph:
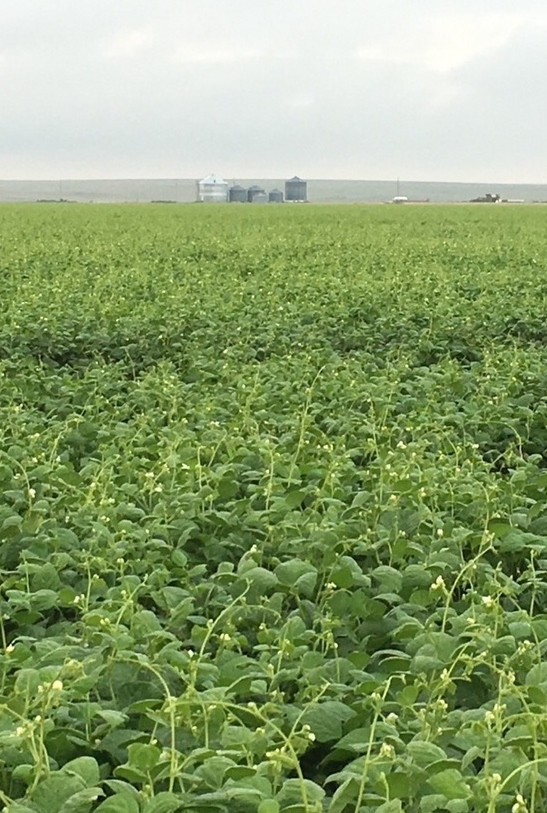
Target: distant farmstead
(488, 198)
(212, 189)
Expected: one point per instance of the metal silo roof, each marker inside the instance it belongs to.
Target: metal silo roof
(212, 179)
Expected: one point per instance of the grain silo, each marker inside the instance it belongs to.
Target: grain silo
(238, 194)
(296, 190)
(255, 194)
(212, 189)
(275, 196)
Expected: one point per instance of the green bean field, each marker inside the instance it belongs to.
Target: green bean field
(273, 509)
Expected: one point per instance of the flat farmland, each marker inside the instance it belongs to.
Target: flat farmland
(273, 509)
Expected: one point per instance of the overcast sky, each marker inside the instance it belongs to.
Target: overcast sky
(365, 89)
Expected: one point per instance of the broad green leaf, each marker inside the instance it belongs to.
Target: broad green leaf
(211, 772)
(295, 498)
(305, 584)
(451, 784)
(81, 801)
(443, 644)
(179, 558)
(268, 806)
(520, 629)
(145, 622)
(46, 577)
(290, 572)
(112, 717)
(85, 767)
(18, 807)
(258, 786)
(432, 802)
(537, 676)
(163, 802)
(357, 741)
(295, 792)
(457, 806)
(516, 541)
(24, 773)
(261, 579)
(143, 756)
(537, 695)
(426, 664)
(393, 806)
(120, 803)
(500, 529)
(424, 753)
(345, 795)
(347, 573)
(119, 787)
(54, 791)
(407, 696)
(389, 579)
(403, 785)
(43, 599)
(471, 755)
(326, 719)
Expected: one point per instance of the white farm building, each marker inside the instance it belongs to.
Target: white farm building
(212, 189)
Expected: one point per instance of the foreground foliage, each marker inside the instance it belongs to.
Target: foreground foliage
(273, 518)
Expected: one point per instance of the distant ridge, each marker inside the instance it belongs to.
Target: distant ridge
(319, 191)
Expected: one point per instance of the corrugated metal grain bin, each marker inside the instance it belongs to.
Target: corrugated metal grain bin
(238, 194)
(296, 190)
(276, 196)
(253, 191)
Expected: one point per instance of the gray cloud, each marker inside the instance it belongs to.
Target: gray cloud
(363, 88)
